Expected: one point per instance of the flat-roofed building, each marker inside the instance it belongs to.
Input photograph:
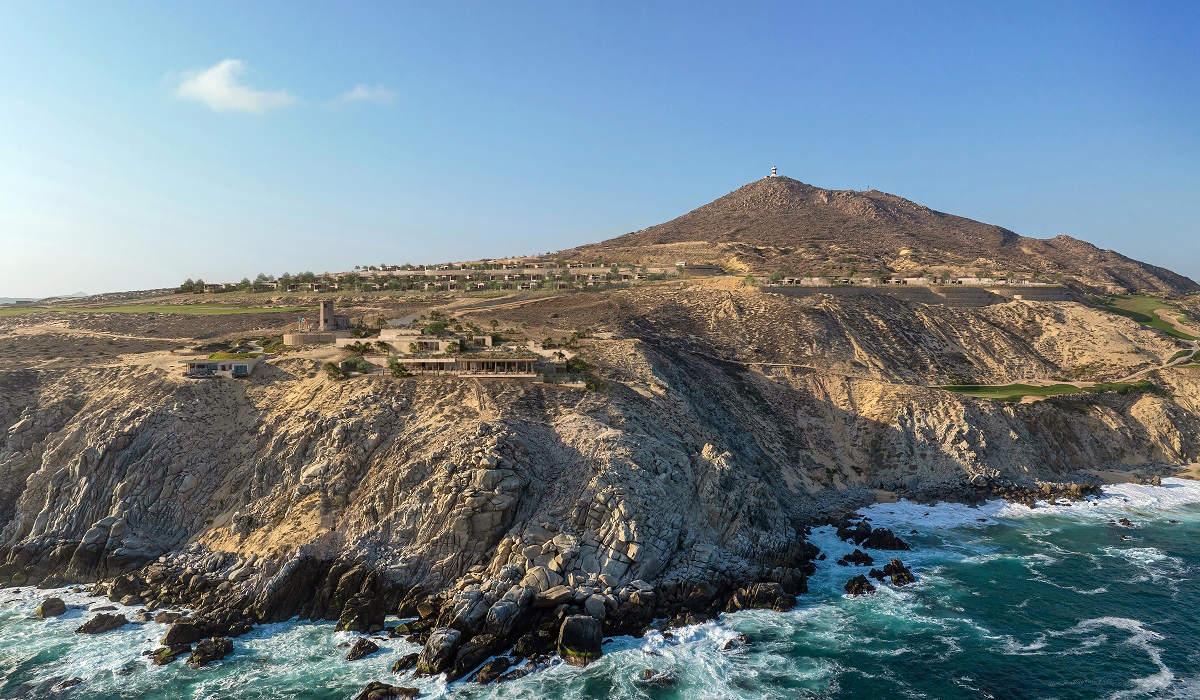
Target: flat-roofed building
(204, 368)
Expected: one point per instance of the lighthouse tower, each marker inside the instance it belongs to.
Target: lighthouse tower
(774, 171)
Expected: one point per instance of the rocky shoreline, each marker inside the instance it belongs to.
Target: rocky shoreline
(516, 619)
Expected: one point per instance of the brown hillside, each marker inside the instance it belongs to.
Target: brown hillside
(778, 224)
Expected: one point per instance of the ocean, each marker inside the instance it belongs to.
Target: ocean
(1062, 601)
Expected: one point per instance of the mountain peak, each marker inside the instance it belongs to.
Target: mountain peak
(780, 224)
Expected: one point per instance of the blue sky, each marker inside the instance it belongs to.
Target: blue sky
(145, 142)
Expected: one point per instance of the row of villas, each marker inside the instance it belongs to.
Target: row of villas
(471, 276)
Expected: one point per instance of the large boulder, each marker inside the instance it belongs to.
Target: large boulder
(103, 622)
(362, 647)
(468, 612)
(501, 617)
(405, 663)
(594, 606)
(761, 596)
(493, 669)
(439, 651)
(382, 691)
(210, 650)
(181, 634)
(579, 640)
(165, 655)
(555, 596)
(51, 607)
(473, 653)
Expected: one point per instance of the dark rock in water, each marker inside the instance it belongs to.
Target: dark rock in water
(660, 679)
(406, 662)
(857, 558)
(876, 574)
(51, 607)
(165, 655)
(579, 640)
(64, 684)
(382, 691)
(103, 608)
(473, 653)
(1125, 521)
(362, 647)
(181, 634)
(514, 674)
(899, 572)
(143, 616)
(854, 532)
(859, 585)
(166, 617)
(102, 623)
(739, 641)
(882, 538)
(439, 651)
(761, 596)
(492, 670)
(210, 650)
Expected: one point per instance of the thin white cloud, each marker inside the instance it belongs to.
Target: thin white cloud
(219, 89)
(368, 93)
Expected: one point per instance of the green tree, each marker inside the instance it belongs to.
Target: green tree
(397, 368)
(333, 371)
(187, 286)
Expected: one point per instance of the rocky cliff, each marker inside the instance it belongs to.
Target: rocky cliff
(728, 421)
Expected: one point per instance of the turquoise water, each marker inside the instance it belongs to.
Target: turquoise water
(1058, 602)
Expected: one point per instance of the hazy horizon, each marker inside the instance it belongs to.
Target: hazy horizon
(145, 144)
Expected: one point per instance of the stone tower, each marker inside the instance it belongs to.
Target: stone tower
(327, 322)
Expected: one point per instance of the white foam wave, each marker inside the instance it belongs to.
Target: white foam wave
(1118, 500)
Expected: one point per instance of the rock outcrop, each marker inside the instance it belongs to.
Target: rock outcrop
(361, 647)
(51, 607)
(210, 650)
(101, 623)
(579, 640)
(382, 691)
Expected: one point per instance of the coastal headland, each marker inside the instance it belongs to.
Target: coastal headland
(520, 473)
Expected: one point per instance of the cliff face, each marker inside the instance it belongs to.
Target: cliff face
(728, 421)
